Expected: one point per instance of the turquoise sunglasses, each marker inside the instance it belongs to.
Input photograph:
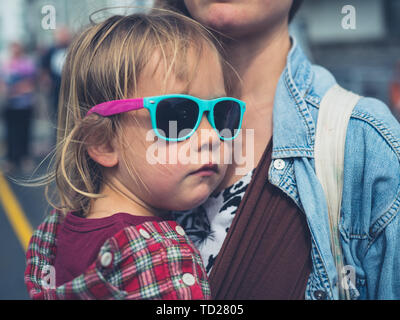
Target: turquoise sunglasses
(182, 111)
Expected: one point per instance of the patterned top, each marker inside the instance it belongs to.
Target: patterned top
(153, 260)
(208, 224)
(79, 240)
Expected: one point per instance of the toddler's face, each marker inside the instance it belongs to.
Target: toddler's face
(174, 172)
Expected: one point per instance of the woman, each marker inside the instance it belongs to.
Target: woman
(283, 90)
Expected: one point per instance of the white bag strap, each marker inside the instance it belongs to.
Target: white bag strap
(333, 117)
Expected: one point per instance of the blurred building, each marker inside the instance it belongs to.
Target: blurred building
(21, 20)
(363, 58)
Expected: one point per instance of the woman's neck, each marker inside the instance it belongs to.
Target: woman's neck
(259, 61)
(117, 198)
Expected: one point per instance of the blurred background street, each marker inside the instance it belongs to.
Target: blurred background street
(364, 59)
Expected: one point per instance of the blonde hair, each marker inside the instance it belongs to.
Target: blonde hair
(104, 63)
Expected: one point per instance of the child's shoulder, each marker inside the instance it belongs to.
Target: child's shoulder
(165, 233)
(151, 260)
(41, 252)
(53, 219)
(159, 254)
(46, 232)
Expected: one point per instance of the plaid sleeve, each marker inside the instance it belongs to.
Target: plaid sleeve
(154, 260)
(40, 255)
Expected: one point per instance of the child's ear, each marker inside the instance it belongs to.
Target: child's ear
(104, 154)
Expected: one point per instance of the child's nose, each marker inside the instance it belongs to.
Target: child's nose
(208, 138)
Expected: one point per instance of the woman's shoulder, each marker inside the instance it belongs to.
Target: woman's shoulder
(372, 156)
(371, 182)
(377, 122)
(370, 117)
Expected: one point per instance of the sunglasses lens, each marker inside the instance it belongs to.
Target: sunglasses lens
(176, 117)
(227, 118)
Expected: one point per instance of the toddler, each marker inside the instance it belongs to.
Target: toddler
(110, 236)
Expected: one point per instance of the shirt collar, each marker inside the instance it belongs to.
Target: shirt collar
(293, 125)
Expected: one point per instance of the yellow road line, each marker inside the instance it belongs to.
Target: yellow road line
(15, 214)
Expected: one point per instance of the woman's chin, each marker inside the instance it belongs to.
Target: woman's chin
(222, 17)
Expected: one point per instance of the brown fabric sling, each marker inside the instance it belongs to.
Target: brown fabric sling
(266, 253)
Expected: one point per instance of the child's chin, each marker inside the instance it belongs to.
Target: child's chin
(194, 203)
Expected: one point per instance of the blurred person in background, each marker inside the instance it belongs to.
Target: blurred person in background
(395, 92)
(52, 64)
(18, 78)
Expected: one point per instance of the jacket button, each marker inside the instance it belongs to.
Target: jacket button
(279, 164)
(320, 295)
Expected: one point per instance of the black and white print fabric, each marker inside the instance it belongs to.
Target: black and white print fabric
(208, 224)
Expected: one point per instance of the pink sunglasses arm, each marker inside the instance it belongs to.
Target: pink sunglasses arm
(110, 108)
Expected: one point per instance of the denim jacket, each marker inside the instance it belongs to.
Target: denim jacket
(370, 222)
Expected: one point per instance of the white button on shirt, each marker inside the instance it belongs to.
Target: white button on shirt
(106, 259)
(179, 230)
(144, 234)
(188, 279)
(279, 164)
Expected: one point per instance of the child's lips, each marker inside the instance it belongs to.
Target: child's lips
(206, 170)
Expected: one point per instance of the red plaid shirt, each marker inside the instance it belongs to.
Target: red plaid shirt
(147, 261)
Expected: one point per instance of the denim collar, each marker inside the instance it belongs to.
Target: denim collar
(293, 125)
